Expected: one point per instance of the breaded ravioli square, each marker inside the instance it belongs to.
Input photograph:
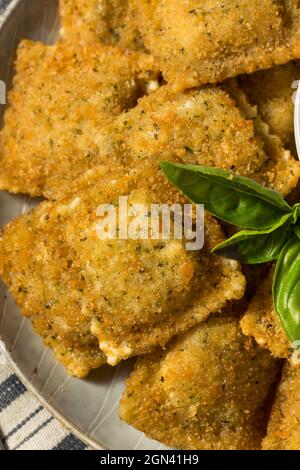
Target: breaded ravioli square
(135, 293)
(62, 97)
(208, 41)
(263, 323)
(67, 126)
(208, 390)
(284, 425)
(272, 92)
(108, 21)
(207, 126)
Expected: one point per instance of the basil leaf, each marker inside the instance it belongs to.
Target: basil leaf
(297, 229)
(234, 199)
(255, 247)
(286, 288)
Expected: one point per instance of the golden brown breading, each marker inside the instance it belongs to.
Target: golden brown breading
(137, 294)
(207, 390)
(262, 322)
(203, 126)
(33, 266)
(62, 97)
(284, 425)
(208, 41)
(271, 90)
(108, 21)
(281, 171)
(80, 18)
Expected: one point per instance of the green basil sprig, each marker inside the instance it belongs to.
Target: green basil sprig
(234, 199)
(270, 229)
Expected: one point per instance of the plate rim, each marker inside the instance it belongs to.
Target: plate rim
(8, 10)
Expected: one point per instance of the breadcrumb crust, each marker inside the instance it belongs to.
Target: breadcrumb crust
(272, 91)
(284, 425)
(207, 42)
(131, 294)
(208, 390)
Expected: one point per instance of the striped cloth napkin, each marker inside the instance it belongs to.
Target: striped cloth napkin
(24, 423)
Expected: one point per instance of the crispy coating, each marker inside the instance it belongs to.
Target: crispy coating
(203, 126)
(34, 269)
(262, 322)
(136, 294)
(272, 91)
(208, 41)
(284, 425)
(208, 390)
(281, 170)
(62, 97)
(108, 21)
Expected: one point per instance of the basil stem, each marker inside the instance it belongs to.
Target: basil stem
(286, 288)
(296, 212)
(255, 247)
(234, 199)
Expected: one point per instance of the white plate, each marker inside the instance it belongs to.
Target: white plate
(87, 407)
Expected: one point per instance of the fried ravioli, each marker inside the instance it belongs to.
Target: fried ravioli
(262, 322)
(208, 390)
(272, 91)
(203, 126)
(284, 425)
(108, 21)
(61, 99)
(206, 42)
(136, 294)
